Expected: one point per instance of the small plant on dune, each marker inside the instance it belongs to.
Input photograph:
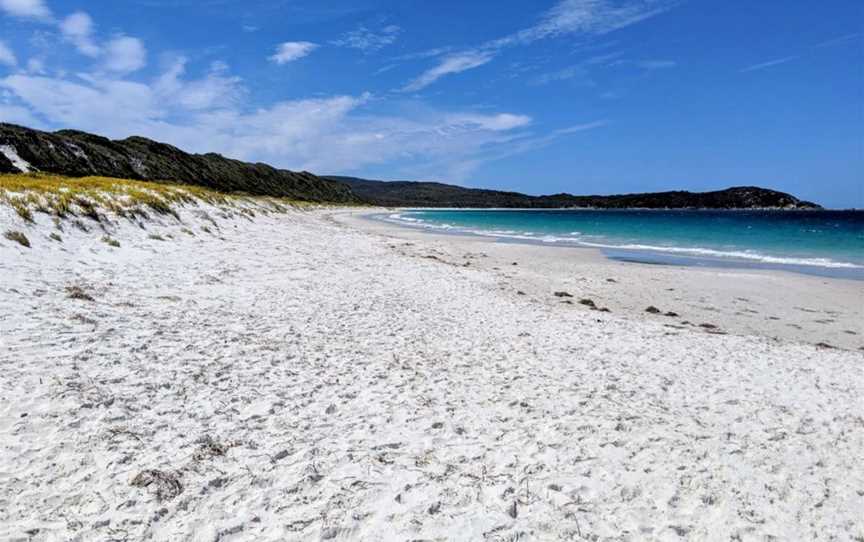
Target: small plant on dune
(18, 237)
(155, 237)
(55, 236)
(87, 208)
(111, 241)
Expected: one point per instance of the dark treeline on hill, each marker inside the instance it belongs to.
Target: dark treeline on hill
(78, 154)
(428, 194)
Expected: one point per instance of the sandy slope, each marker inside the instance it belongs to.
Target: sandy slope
(302, 380)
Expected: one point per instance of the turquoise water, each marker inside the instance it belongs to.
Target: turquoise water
(828, 243)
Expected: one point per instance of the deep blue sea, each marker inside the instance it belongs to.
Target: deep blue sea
(828, 243)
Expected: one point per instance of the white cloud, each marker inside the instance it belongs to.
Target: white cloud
(588, 17)
(455, 63)
(78, 29)
(7, 57)
(84, 104)
(291, 51)
(125, 55)
(35, 9)
(368, 41)
(216, 90)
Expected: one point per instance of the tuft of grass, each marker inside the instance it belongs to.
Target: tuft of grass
(18, 237)
(56, 236)
(156, 237)
(108, 240)
(21, 208)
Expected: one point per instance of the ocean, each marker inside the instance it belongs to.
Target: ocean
(826, 243)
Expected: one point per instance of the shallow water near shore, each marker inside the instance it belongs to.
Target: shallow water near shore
(824, 243)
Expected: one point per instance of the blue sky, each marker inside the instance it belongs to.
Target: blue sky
(582, 96)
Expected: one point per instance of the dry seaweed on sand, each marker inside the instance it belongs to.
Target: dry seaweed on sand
(165, 485)
(77, 292)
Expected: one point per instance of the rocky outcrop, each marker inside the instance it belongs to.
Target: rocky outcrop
(77, 154)
(425, 194)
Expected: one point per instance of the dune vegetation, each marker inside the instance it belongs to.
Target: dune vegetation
(94, 197)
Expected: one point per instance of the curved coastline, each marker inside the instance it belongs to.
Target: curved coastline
(635, 252)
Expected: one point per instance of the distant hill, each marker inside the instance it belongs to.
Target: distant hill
(429, 194)
(77, 154)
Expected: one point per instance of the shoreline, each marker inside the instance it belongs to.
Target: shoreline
(775, 303)
(647, 255)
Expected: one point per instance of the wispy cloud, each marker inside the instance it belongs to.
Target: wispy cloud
(586, 17)
(770, 63)
(581, 127)
(656, 64)
(496, 123)
(78, 29)
(369, 41)
(592, 17)
(576, 72)
(838, 40)
(429, 53)
(7, 57)
(604, 58)
(454, 63)
(828, 43)
(581, 72)
(461, 168)
(291, 51)
(30, 9)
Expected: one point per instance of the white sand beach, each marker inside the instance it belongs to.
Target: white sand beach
(314, 376)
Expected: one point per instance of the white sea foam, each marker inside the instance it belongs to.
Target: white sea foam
(731, 254)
